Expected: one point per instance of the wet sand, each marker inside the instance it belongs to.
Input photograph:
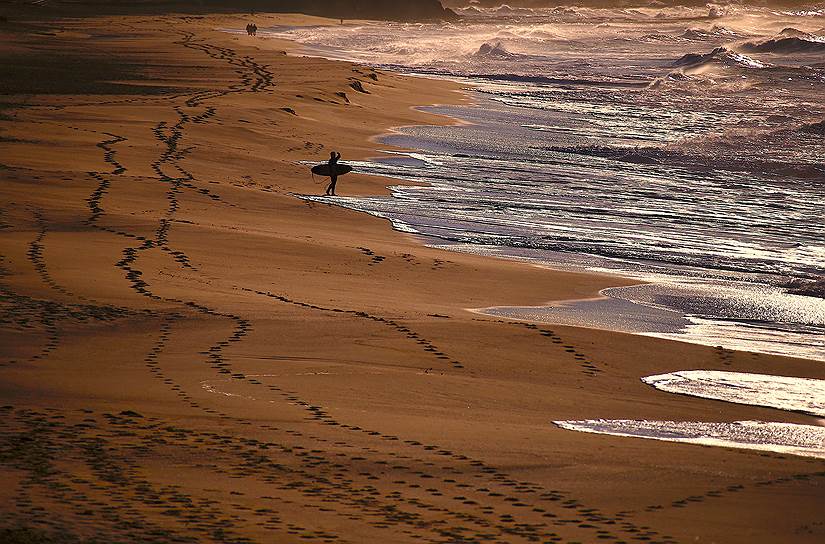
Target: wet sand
(191, 353)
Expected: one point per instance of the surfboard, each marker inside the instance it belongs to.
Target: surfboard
(323, 169)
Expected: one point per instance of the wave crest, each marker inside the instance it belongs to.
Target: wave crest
(814, 128)
(791, 44)
(808, 288)
(719, 56)
(494, 50)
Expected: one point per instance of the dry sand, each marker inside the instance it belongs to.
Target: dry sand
(191, 353)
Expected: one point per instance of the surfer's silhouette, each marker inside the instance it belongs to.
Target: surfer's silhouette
(333, 176)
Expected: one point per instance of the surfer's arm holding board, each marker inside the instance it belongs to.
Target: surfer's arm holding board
(332, 169)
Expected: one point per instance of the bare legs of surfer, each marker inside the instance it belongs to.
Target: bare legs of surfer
(331, 187)
(333, 176)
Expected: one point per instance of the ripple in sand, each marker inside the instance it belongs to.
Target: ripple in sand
(804, 440)
(786, 393)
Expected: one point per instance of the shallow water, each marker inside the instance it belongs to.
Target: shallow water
(678, 146)
(804, 440)
(783, 392)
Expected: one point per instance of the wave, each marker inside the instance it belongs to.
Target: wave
(807, 288)
(795, 32)
(656, 37)
(803, 395)
(652, 11)
(792, 44)
(566, 10)
(716, 32)
(719, 56)
(813, 12)
(468, 10)
(522, 78)
(504, 9)
(495, 50)
(676, 76)
(695, 156)
(814, 128)
(636, 155)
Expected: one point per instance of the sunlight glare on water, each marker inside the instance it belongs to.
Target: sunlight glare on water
(680, 146)
(804, 440)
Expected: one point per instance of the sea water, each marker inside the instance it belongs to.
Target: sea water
(789, 393)
(680, 146)
(804, 395)
(803, 440)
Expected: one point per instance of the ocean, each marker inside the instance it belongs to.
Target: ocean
(682, 147)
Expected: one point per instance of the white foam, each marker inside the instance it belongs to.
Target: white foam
(803, 440)
(784, 392)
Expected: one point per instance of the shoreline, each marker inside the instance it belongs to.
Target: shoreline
(154, 246)
(636, 318)
(641, 313)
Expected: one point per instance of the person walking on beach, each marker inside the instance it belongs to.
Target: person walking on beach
(333, 176)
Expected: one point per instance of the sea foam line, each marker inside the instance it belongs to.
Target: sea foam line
(803, 440)
(805, 395)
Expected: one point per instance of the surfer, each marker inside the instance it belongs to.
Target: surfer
(333, 176)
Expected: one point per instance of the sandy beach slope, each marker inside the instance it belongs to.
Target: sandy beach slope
(190, 353)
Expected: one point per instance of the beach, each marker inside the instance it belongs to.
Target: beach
(191, 352)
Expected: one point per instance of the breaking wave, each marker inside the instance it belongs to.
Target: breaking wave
(785, 46)
(641, 140)
(795, 32)
(814, 128)
(719, 56)
(804, 395)
(495, 49)
(707, 160)
(815, 288)
(716, 32)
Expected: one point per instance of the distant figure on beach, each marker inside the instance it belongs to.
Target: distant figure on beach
(254, 29)
(333, 177)
(251, 29)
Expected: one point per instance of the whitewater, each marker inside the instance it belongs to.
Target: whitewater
(679, 146)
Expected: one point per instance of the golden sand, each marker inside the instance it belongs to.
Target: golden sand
(192, 353)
